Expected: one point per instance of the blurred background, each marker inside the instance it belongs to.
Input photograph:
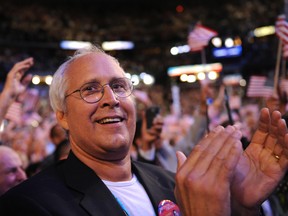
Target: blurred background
(203, 62)
(156, 33)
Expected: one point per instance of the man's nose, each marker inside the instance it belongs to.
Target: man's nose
(21, 175)
(108, 92)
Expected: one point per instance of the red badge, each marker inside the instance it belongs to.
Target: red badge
(168, 208)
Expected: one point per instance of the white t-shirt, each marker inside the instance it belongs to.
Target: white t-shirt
(132, 197)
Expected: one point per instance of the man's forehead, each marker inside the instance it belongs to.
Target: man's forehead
(10, 162)
(93, 64)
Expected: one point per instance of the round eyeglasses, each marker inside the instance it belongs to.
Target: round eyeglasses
(92, 92)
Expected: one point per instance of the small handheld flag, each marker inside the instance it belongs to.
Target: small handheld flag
(199, 37)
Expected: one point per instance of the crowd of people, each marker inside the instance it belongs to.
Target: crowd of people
(85, 143)
(87, 149)
(42, 27)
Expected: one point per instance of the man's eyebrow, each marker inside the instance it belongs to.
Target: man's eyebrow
(91, 81)
(9, 169)
(95, 80)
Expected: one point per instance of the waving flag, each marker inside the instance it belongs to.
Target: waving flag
(282, 33)
(14, 113)
(199, 37)
(260, 86)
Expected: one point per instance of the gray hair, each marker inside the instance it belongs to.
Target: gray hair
(59, 84)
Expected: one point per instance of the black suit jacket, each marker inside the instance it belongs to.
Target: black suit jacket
(71, 188)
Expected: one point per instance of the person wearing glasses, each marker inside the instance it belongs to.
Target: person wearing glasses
(93, 101)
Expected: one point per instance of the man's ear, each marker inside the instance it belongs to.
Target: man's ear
(61, 118)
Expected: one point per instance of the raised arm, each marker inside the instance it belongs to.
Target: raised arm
(14, 85)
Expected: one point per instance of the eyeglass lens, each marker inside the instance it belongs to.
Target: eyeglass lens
(92, 92)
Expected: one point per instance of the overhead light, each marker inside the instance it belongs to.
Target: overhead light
(135, 79)
(201, 76)
(191, 78)
(117, 45)
(184, 77)
(216, 41)
(48, 79)
(179, 49)
(212, 75)
(73, 45)
(194, 69)
(229, 42)
(264, 31)
(147, 78)
(36, 80)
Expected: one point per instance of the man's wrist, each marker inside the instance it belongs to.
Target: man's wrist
(239, 210)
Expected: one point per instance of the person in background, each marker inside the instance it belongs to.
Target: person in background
(59, 138)
(11, 169)
(15, 84)
(151, 148)
(93, 100)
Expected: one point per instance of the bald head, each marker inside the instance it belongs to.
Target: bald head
(11, 169)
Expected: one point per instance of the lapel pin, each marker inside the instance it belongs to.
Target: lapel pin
(168, 208)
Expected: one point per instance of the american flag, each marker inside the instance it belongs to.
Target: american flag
(260, 86)
(282, 33)
(14, 113)
(199, 37)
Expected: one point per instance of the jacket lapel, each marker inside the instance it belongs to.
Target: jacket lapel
(156, 188)
(96, 199)
(90, 192)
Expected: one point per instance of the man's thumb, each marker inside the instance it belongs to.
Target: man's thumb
(181, 158)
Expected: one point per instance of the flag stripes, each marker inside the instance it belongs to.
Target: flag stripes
(14, 113)
(199, 37)
(282, 32)
(259, 86)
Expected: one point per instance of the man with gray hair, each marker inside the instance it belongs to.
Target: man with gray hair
(93, 100)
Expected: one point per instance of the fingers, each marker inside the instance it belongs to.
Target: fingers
(14, 85)
(182, 195)
(214, 150)
(283, 160)
(21, 67)
(271, 135)
(156, 128)
(26, 80)
(211, 146)
(203, 144)
(261, 133)
(181, 158)
(274, 134)
(151, 136)
(206, 175)
(217, 155)
(281, 147)
(270, 129)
